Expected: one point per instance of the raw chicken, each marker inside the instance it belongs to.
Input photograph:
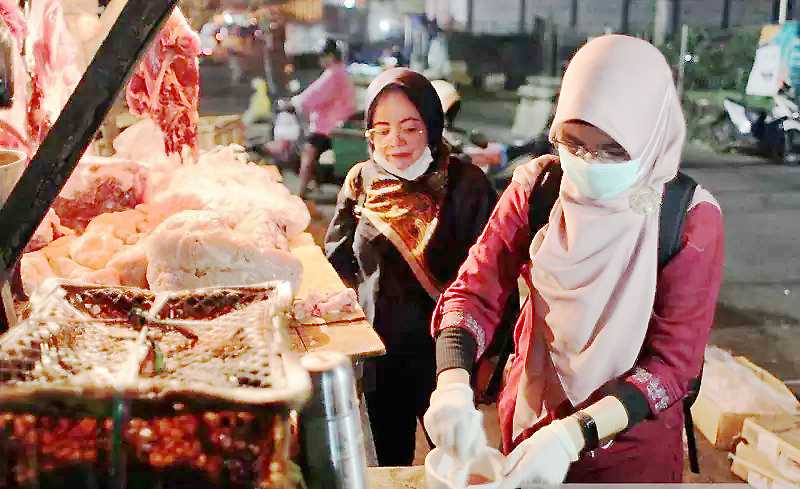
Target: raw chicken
(65, 267)
(326, 304)
(35, 269)
(104, 276)
(202, 248)
(130, 263)
(122, 225)
(59, 247)
(166, 84)
(49, 230)
(224, 182)
(94, 250)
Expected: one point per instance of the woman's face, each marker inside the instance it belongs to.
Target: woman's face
(398, 132)
(589, 143)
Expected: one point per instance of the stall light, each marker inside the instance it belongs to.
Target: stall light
(349, 3)
(228, 18)
(385, 25)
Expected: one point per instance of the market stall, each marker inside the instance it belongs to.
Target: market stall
(160, 282)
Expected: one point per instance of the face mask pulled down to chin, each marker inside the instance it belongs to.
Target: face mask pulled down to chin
(411, 172)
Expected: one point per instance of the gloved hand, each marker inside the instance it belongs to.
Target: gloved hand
(544, 458)
(453, 423)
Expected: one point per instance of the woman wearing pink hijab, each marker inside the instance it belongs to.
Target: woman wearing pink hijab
(608, 342)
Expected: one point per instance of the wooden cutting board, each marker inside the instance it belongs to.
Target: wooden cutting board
(357, 339)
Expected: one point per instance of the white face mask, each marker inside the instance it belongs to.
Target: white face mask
(599, 179)
(412, 172)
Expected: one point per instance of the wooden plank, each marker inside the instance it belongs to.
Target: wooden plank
(781, 431)
(77, 124)
(358, 339)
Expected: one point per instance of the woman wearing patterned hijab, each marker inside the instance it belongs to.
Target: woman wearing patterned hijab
(404, 222)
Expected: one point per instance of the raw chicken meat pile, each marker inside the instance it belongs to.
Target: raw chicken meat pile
(219, 221)
(157, 214)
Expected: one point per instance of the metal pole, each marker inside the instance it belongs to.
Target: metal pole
(522, 16)
(573, 14)
(783, 11)
(626, 17)
(470, 15)
(682, 63)
(726, 14)
(676, 17)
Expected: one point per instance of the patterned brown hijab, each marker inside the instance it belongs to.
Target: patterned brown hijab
(407, 212)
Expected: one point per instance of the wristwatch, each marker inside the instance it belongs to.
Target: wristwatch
(589, 431)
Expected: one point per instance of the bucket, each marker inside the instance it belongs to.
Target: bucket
(12, 164)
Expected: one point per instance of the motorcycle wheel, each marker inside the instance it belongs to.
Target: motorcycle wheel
(791, 148)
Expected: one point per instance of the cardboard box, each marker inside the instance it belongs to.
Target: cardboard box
(722, 427)
(769, 449)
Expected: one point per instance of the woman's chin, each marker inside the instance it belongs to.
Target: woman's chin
(401, 163)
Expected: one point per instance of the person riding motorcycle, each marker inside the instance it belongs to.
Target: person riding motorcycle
(327, 103)
(496, 159)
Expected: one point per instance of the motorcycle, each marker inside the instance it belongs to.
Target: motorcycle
(774, 134)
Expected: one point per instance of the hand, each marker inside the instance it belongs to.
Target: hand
(544, 458)
(452, 421)
(285, 106)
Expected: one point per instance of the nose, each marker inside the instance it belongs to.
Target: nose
(396, 138)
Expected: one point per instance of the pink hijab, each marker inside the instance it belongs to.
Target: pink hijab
(595, 263)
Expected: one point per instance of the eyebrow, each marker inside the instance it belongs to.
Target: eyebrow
(407, 119)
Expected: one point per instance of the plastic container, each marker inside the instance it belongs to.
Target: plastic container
(445, 472)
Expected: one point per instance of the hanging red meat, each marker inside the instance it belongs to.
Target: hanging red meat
(166, 85)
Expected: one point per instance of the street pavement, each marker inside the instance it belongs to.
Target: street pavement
(759, 307)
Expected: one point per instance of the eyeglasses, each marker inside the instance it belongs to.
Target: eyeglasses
(379, 135)
(613, 154)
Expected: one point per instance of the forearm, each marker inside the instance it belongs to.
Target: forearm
(452, 376)
(609, 415)
(455, 350)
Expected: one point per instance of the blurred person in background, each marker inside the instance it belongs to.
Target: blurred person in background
(327, 103)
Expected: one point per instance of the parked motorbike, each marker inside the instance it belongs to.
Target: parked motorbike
(774, 134)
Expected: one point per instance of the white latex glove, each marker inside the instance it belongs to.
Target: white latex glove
(453, 423)
(544, 458)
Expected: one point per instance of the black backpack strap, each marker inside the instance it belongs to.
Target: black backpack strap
(678, 194)
(544, 195)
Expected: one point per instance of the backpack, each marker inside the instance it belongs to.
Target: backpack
(678, 194)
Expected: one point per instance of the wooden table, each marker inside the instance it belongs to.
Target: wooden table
(414, 478)
(357, 340)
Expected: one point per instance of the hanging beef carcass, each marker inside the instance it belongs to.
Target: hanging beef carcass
(166, 85)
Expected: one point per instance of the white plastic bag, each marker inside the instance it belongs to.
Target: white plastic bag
(287, 127)
(766, 76)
